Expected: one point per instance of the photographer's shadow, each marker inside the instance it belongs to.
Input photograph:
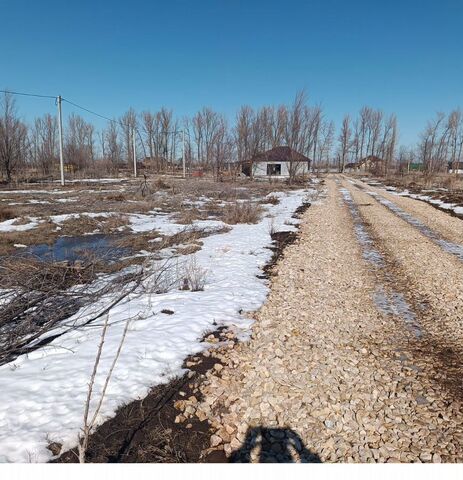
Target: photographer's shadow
(273, 445)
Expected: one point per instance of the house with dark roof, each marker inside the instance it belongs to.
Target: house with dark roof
(371, 163)
(278, 162)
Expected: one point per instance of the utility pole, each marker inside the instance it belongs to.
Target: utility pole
(134, 153)
(183, 153)
(60, 134)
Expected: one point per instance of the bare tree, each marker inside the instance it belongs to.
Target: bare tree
(112, 146)
(13, 138)
(79, 144)
(129, 125)
(44, 143)
(345, 142)
(455, 125)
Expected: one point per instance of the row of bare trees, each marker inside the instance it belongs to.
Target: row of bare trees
(371, 134)
(212, 143)
(441, 143)
(300, 126)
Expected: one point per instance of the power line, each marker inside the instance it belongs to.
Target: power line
(28, 94)
(95, 113)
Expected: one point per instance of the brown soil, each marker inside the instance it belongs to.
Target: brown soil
(145, 431)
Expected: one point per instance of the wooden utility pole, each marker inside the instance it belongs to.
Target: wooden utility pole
(60, 135)
(183, 153)
(134, 148)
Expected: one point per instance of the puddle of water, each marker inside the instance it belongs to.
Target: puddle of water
(449, 247)
(78, 248)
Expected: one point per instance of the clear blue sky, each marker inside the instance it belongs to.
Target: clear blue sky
(401, 56)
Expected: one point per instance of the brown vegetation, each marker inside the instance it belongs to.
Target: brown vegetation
(242, 212)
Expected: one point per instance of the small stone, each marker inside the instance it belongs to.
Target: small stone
(229, 429)
(218, 367)
(425, 457)
(215, 440)
(329, 424)
(420, 400)
(436, 458)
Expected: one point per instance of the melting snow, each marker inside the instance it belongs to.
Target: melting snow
(43, 393)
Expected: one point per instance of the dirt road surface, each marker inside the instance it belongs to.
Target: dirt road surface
(356, 356)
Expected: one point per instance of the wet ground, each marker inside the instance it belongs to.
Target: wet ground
(80, 248)
(357, 353)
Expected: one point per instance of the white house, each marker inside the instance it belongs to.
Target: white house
(279, 162)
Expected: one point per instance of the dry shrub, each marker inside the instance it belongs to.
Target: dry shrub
(194, 276)
(34, 274)
(116, 197)
(242, 212)
(188, 215)
(6, 213)
(452, 182)
(272, 199)
(86, 224)
(114, 222)
(161, 184)
(22, 221)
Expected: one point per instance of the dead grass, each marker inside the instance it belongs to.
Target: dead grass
(271, 199)
(161, 184)
(115, 197)
(44, 276)
(86, 224)
(6, 213)
(188, 215)
(242, 212)
(418, 180)
(21, 221)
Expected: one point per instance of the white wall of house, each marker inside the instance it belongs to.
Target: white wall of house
(260, 169)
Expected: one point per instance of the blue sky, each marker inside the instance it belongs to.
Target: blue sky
(401, 56)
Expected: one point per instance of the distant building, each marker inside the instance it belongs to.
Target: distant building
(455, 167)
(371, 164)
(279, 162)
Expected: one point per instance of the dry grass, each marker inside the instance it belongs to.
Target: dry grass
(188, 215)
(21, 221)
(86, 224)
(242, 212)
(6, 213)
(270, 199)
(161, 184)
(115, 197)
(44, 276)
(194, 276)
(420, 180)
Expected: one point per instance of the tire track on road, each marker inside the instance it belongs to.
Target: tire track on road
(322, 364)
(432, 276)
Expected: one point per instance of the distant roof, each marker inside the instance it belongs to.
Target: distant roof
(371, 158)
(458, 165)
(280, 154)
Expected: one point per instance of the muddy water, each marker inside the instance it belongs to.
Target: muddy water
(388, 301)
(73, 249)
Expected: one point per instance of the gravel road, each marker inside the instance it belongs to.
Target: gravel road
(355, 357)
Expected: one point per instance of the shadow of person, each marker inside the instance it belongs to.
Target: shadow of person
(273, 445)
